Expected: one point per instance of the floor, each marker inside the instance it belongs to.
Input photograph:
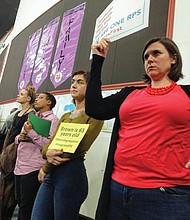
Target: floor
(15, 214)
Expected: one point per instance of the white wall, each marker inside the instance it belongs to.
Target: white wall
(181, 35)
(28, 11)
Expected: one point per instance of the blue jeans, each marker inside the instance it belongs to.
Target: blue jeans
(128, 203)
(62, 192)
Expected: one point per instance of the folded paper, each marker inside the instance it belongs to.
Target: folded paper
(40, 125)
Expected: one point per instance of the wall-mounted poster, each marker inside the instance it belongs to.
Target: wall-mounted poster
(121, 18)
(67, 44)
(29, 58)
(42, 62)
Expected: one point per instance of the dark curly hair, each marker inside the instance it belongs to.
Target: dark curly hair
(50, 97)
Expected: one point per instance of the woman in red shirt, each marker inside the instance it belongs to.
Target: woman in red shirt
(147, 175)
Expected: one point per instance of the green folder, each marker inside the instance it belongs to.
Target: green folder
(40, 125)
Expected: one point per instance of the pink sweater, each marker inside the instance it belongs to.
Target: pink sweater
(29, 157)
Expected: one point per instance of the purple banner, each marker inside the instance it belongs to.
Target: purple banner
(67, 44)
(43, 58)
(28, 62)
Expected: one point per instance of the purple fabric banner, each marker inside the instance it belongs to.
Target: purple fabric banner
(67, 44)
(29, 57)
(43, 58)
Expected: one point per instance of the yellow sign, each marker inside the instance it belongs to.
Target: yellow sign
(68, 136)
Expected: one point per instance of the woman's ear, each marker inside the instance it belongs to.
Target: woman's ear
(29, 98)
(174, 59)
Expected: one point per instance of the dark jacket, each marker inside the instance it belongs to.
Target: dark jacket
(7, 163)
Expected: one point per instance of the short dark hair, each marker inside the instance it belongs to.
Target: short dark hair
(50, 97)
(86, 74)
(176, 69)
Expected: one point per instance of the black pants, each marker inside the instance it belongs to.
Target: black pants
(9, 212)
(26, 190)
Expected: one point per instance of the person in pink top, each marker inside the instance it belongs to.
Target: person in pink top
(29, 159)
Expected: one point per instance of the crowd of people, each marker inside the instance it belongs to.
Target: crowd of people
(147, 174)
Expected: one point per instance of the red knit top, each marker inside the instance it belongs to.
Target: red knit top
(154, 140)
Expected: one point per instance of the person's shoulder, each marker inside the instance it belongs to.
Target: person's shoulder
(65, 116)
(10, 116)
(186, 89)
(50, 114)
(128, 89)
(132, 88)
(30, 111)
(54, 116)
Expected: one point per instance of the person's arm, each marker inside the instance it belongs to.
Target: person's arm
(39, 140)
(95, 105)
(53, 159)
(41, 175)
(5, 128)
(22, 136)
(7, 124)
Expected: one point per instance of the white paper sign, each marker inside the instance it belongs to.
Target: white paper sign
(122, 18)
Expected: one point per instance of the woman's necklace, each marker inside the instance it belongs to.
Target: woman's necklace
(160, 91)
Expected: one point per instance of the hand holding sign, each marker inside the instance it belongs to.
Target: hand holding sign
(101, 48)
(68, 137)
(54, 157)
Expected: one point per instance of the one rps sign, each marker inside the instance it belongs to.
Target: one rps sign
(68, 137)
(122, 18)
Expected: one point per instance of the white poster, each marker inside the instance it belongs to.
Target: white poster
(122, 18)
